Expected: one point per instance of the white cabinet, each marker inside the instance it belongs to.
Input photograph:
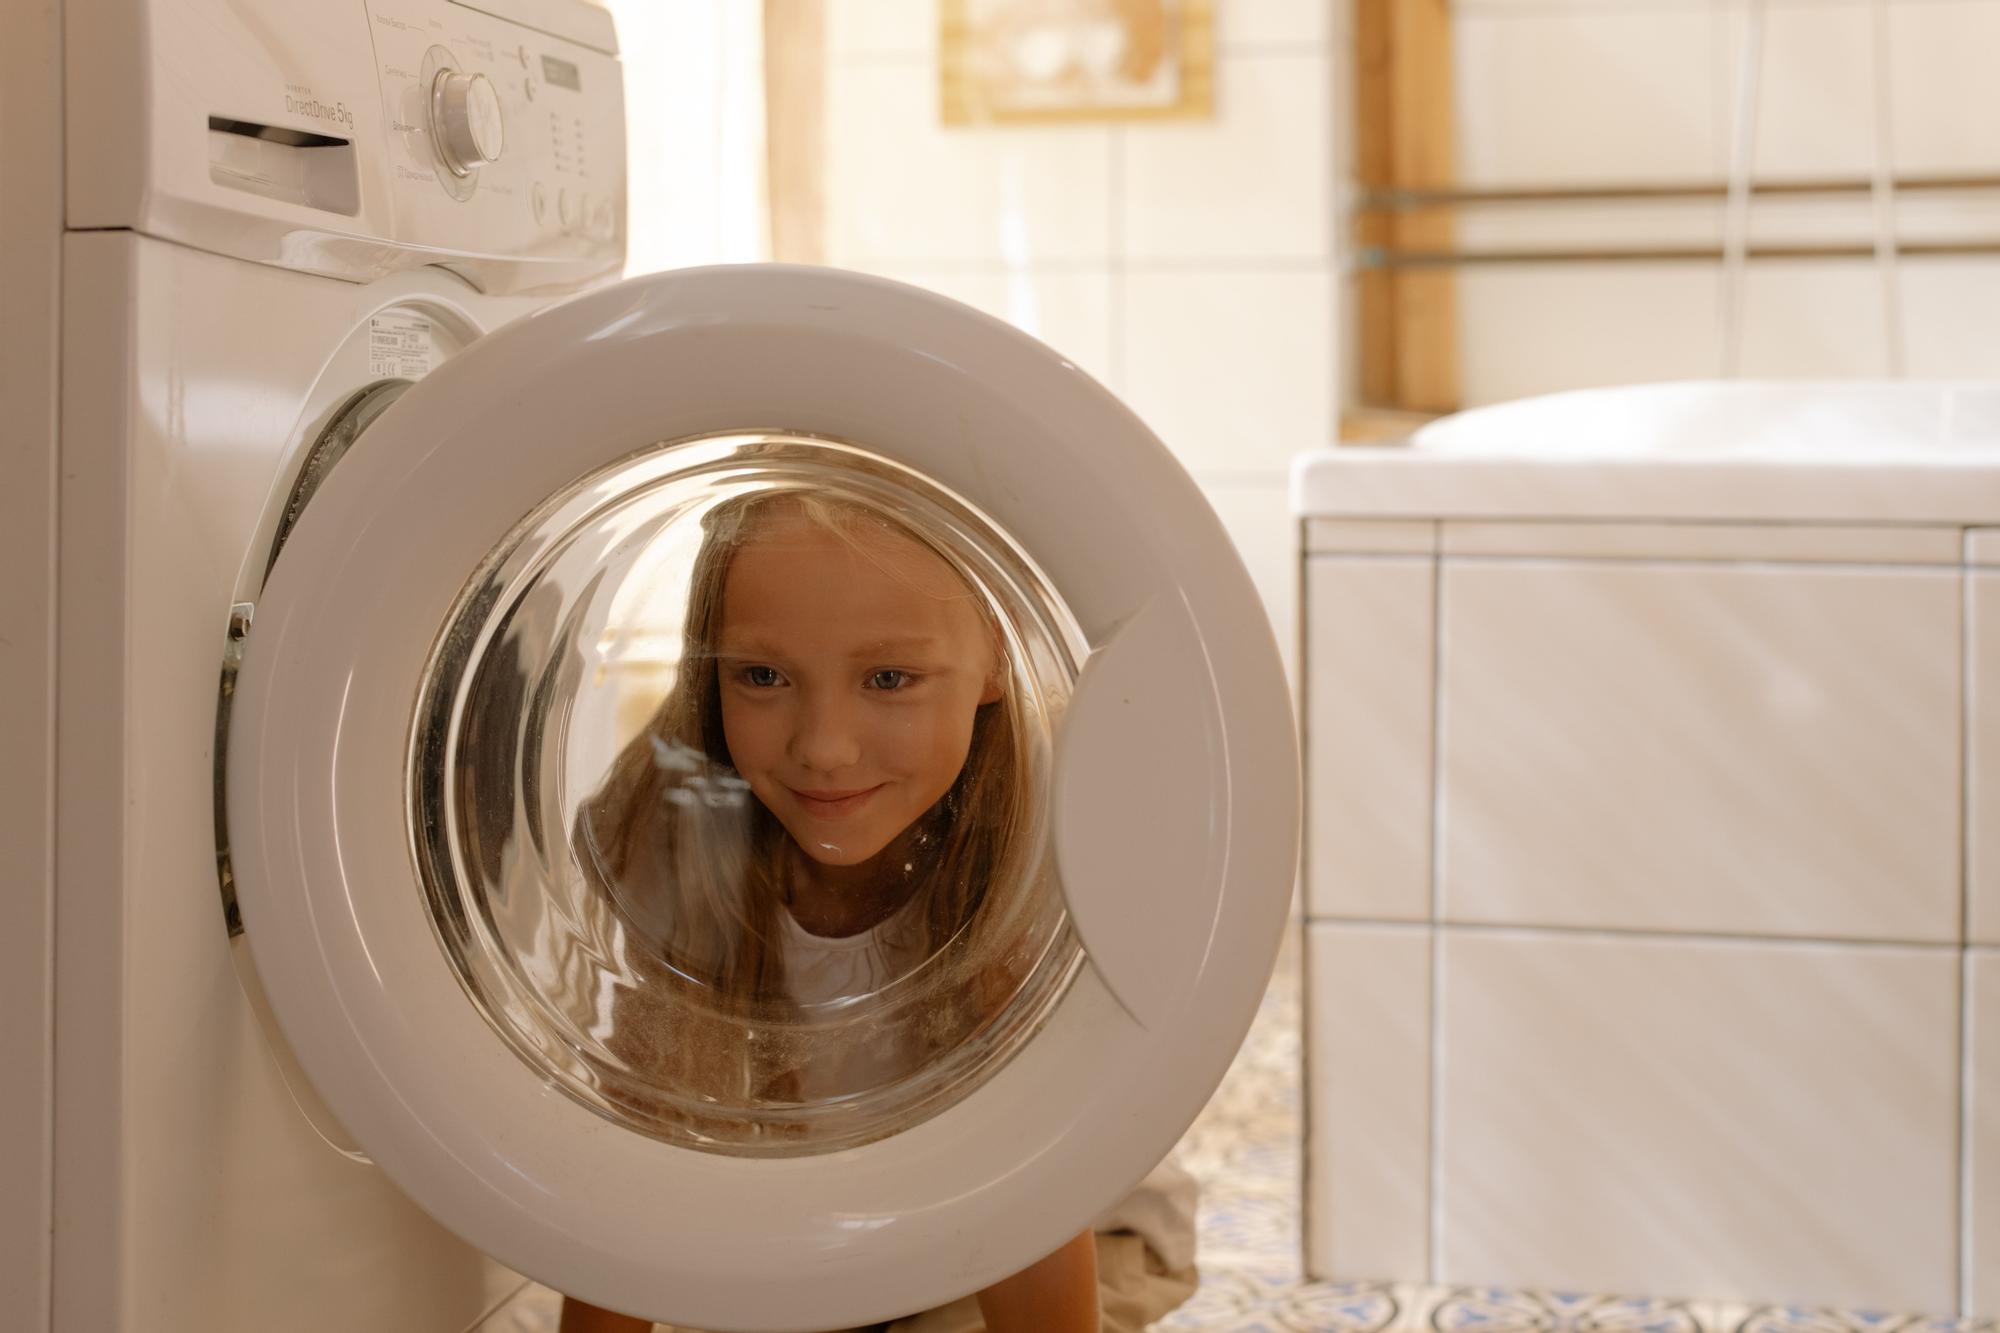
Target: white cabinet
(1369, 624)
(1638, 856)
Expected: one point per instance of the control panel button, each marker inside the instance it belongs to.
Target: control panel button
(541, 201)
(466, 121)
(566, 207)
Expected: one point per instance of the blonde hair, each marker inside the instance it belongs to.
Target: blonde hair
(699, 869)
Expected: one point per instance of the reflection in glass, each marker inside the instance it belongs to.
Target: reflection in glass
(729, 787)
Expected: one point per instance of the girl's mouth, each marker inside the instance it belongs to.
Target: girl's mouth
(833, 804)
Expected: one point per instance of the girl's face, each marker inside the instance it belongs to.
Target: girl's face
(850, 666)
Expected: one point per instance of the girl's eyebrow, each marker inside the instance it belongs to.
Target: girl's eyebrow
(919, 643)
(754, 647)
(746, 647)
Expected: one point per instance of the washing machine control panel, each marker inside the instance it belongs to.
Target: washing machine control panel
(353, 140)
(503, 138)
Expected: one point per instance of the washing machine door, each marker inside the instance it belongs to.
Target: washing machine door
(762, 797)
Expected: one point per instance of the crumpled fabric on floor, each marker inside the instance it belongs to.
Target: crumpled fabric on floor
(1135, 1287)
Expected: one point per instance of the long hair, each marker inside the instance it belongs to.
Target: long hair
(699, 870)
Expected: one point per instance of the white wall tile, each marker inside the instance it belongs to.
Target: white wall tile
(1814, 319)
(1816, 98)
(1257, 514)
(1234, 370)
(877, 29)
(1266, 23)
(1369, 653)
(873, 29)
(1254, 183)
(1734, 749)
(1982, 1133)
(1945, 101)
(1746, 1122)
(1367, 1198)
(1070, 310)
(1528, 329)
(1586, 95)
(901, 188)
(1983, 759)
(1950, 325)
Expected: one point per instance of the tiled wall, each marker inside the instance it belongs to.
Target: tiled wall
(1188, 266)
(1584, 92)
(1191, 267)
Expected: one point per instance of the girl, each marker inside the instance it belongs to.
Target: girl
(833, 805)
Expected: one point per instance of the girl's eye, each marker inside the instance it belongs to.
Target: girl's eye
(761, 676)
(888, 680)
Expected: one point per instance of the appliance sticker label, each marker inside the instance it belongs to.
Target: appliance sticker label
(399, 347)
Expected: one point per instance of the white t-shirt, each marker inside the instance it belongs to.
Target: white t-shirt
(820, 968)
(824, 968)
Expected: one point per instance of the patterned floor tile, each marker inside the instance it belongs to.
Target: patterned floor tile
(1476, 1310)
(1256, 1225)
(1235, 1298)
(1798, 1319)
(1419, 1303)
(1342, 1308)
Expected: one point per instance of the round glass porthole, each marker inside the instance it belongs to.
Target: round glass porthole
(729, 793)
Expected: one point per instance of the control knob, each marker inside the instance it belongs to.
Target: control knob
(465, 120)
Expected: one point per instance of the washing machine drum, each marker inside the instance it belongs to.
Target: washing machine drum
(762, 797)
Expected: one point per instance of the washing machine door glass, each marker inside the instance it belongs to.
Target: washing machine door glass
(732, 774)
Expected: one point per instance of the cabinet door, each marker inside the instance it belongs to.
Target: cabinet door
(1749, 1120)
(1731, 748)
(1369, 654)
(1982, 695)
(1982, 1136)
(1368, 1101)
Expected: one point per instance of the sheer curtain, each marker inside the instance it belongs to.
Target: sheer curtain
(694, 109)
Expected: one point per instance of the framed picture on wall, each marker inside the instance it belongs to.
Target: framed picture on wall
(1015, 61)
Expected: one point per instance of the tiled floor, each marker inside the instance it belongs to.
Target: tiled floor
(1245, 1149)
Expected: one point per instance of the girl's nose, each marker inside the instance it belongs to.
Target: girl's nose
(825, 738)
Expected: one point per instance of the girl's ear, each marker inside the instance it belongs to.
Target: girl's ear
(991, 691)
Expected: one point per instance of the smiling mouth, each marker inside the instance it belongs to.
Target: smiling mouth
(830, 804)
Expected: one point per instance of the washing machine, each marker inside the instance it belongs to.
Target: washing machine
(276, 216)
(378, 564)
